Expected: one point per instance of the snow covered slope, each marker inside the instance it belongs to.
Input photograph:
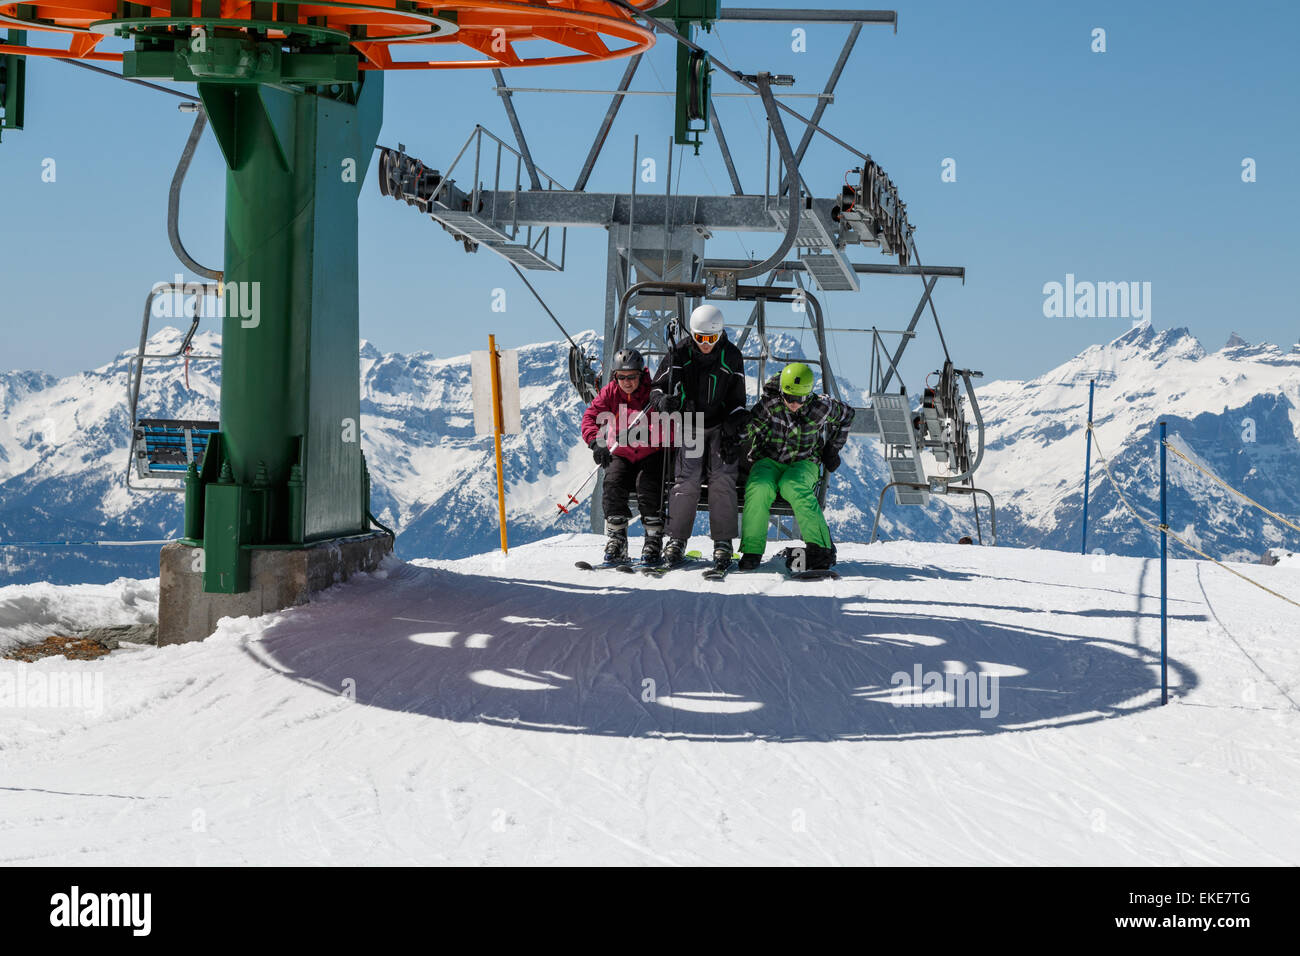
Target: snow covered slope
(515, 710)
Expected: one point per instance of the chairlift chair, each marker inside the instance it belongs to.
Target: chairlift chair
(163, 448)
(686, 292)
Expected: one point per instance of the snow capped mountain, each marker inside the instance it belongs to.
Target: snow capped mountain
(1233, 411)
(63, 454)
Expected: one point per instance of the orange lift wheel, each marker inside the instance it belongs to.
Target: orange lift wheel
(374, 29)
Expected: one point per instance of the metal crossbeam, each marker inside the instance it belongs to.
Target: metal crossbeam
(557, 207)
(911, 327)
(797, 15)
(504, 92)
(726, 150)
(599, 142)
(862, 268)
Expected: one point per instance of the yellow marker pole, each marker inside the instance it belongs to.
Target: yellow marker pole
(499, 427)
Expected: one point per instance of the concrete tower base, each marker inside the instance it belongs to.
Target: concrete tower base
(279, 578)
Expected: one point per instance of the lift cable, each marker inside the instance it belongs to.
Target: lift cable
(129, 79)
(581, 373)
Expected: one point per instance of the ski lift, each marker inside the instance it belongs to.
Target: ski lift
(165, 448)
(938, 426)
(682, 293)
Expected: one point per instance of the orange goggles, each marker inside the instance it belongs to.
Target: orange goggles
(707, 338)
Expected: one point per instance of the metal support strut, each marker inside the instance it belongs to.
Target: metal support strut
(962, 489)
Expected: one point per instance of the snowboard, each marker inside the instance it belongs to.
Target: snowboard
(795, 570)
(791, 574)
(822, 574)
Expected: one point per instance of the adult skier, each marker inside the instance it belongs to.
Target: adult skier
(789, 432)
(635, 463)
(704, 379)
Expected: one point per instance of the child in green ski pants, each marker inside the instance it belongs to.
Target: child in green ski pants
(789, 432)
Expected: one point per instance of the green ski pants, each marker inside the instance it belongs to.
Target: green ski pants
(797, 484)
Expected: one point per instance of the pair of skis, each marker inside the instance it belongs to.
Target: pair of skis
(630, 567)
(692, 558)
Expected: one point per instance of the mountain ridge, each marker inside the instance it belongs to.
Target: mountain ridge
(63, 453)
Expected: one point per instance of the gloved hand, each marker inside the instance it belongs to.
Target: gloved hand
(664, 403)
(729, 447)
(830, 458)
(735, 423)
(602, 455)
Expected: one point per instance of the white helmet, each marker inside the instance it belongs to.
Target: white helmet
(706, 319)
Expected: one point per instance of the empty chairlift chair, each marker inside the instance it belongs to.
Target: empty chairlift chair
(164, 448)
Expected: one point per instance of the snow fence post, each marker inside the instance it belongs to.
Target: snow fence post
(1164, 575)
(1087, 465)
(498, 426)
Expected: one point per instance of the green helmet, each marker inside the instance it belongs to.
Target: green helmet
(797, 379)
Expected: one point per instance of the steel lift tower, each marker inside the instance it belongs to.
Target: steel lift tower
(656, 267)
(294, 93)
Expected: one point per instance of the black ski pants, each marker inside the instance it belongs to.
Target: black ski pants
(645, 476)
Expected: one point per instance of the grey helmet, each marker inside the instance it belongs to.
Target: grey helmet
(628, 360)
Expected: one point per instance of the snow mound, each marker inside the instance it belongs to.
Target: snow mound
(33, 612)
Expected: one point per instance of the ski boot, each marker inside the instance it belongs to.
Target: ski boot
(674, 551)
(748, 562)
(819, 558)
(616, 540)
(652, 550)
(721, 555)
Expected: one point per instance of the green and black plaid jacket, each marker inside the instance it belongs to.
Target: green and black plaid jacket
(776, 432)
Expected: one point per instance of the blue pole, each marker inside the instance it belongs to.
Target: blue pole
(1087, 466)
(1164, 575)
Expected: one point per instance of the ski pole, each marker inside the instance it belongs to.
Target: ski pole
(572, 499)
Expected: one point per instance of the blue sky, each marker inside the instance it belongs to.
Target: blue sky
(1115, 166)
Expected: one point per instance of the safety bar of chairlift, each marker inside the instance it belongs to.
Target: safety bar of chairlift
(952, 489)
(135, 365)
(766, 293)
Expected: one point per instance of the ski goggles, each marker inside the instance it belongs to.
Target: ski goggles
(794, 399)
(707, 338)
(628, 376)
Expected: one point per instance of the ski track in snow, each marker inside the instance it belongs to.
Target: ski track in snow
(501, 716)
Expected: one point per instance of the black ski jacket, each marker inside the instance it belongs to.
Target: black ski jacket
(713, 384)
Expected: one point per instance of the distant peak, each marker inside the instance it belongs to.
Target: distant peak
(1140, 335)
(1235, 341)
(1167, 343)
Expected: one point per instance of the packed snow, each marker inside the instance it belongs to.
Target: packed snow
(514, 709)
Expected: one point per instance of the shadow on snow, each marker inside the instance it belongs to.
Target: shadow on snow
(615, 658)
